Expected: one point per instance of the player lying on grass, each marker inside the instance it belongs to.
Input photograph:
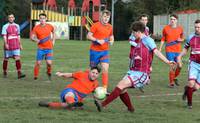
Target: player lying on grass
(138, 74)
(84, 83)
(193, 42)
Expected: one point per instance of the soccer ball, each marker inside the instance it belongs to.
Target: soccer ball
(100, 93)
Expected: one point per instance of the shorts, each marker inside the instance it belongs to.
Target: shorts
(98, 56)
(78, 97)
(137, 78)
(44, 53)
(11, 53)
(171, 56)
(194, 72)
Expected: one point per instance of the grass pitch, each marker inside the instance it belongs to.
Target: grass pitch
(158, 104)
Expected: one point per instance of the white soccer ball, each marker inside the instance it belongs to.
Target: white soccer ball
(100, 93)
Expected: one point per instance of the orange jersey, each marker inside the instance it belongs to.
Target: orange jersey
(171, 35)
(43, 32)
(82, 83)
(101, 32)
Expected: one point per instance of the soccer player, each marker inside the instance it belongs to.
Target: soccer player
(72, 96)
(194, 64)
(44, 35)
(12, 45)
(173, 35)
(138, 74)
(101, 35)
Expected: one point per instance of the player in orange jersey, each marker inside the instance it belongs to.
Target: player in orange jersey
(101, 36)
(44, 35)
(173, 36)
(72, 96)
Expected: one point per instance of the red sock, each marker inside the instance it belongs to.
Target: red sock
(189, 95)
(105, 79)
(36, 70)
(57, 105)
(177, 72)
(48, 69)
(171, 77)
(126, 100)
(18, 66)
(5, 65)
(114, 94)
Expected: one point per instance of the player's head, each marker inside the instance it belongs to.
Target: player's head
(197, 26)
(173, 19)
(138, 29)
(94, 73)
(11, 18)
(105, 16)
(144, 19)
(42, 18)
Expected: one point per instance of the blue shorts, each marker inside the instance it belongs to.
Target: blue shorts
(44, 53)
(98, 56)
(137, 78)
(171, 56)
(11, 53)
(194, 71)
(76, 94)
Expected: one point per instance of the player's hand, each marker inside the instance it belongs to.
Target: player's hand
(180, 40)
(101, 41)
(172, 64)
(21, 48)
(111, 42)
(58, 74)
(6, 46)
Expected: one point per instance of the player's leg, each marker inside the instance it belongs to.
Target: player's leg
(124, 96)
(39, 58)
(170, 57)
(7, 54)
(104, 60)
(49, 58)
(16, 54)
(177, 70)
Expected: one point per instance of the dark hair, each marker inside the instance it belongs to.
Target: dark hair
(106, 12)
(143, 15)
(174, 15)
(197, 21)
(97, 68)
(42, 14)
(138, 26)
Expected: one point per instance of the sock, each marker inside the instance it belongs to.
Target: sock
(189, 95)
(126, 100)
(5, 66)
(36, 70)
(114, 94)
(57, 105)
(171, 77)
(69, 100)
(177, 72)
(105, 79)
(48, 69)
(18, 67)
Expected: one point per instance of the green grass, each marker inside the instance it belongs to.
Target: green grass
(19, 98)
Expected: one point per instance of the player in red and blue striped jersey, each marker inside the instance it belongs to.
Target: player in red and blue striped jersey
(193, 42)
(12, 45)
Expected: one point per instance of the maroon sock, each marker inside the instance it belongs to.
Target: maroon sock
(189, 95)
(5, 65)
(18, 66)
(126, 100)
(114, 94)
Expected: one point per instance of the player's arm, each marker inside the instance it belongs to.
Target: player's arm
(112, 40)
(161, 45)
(19, 38)
(95, 40)
(162, 57)
(5, 41)
(34, 38)
(179, 58)
(64, 75)
(53, 35)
